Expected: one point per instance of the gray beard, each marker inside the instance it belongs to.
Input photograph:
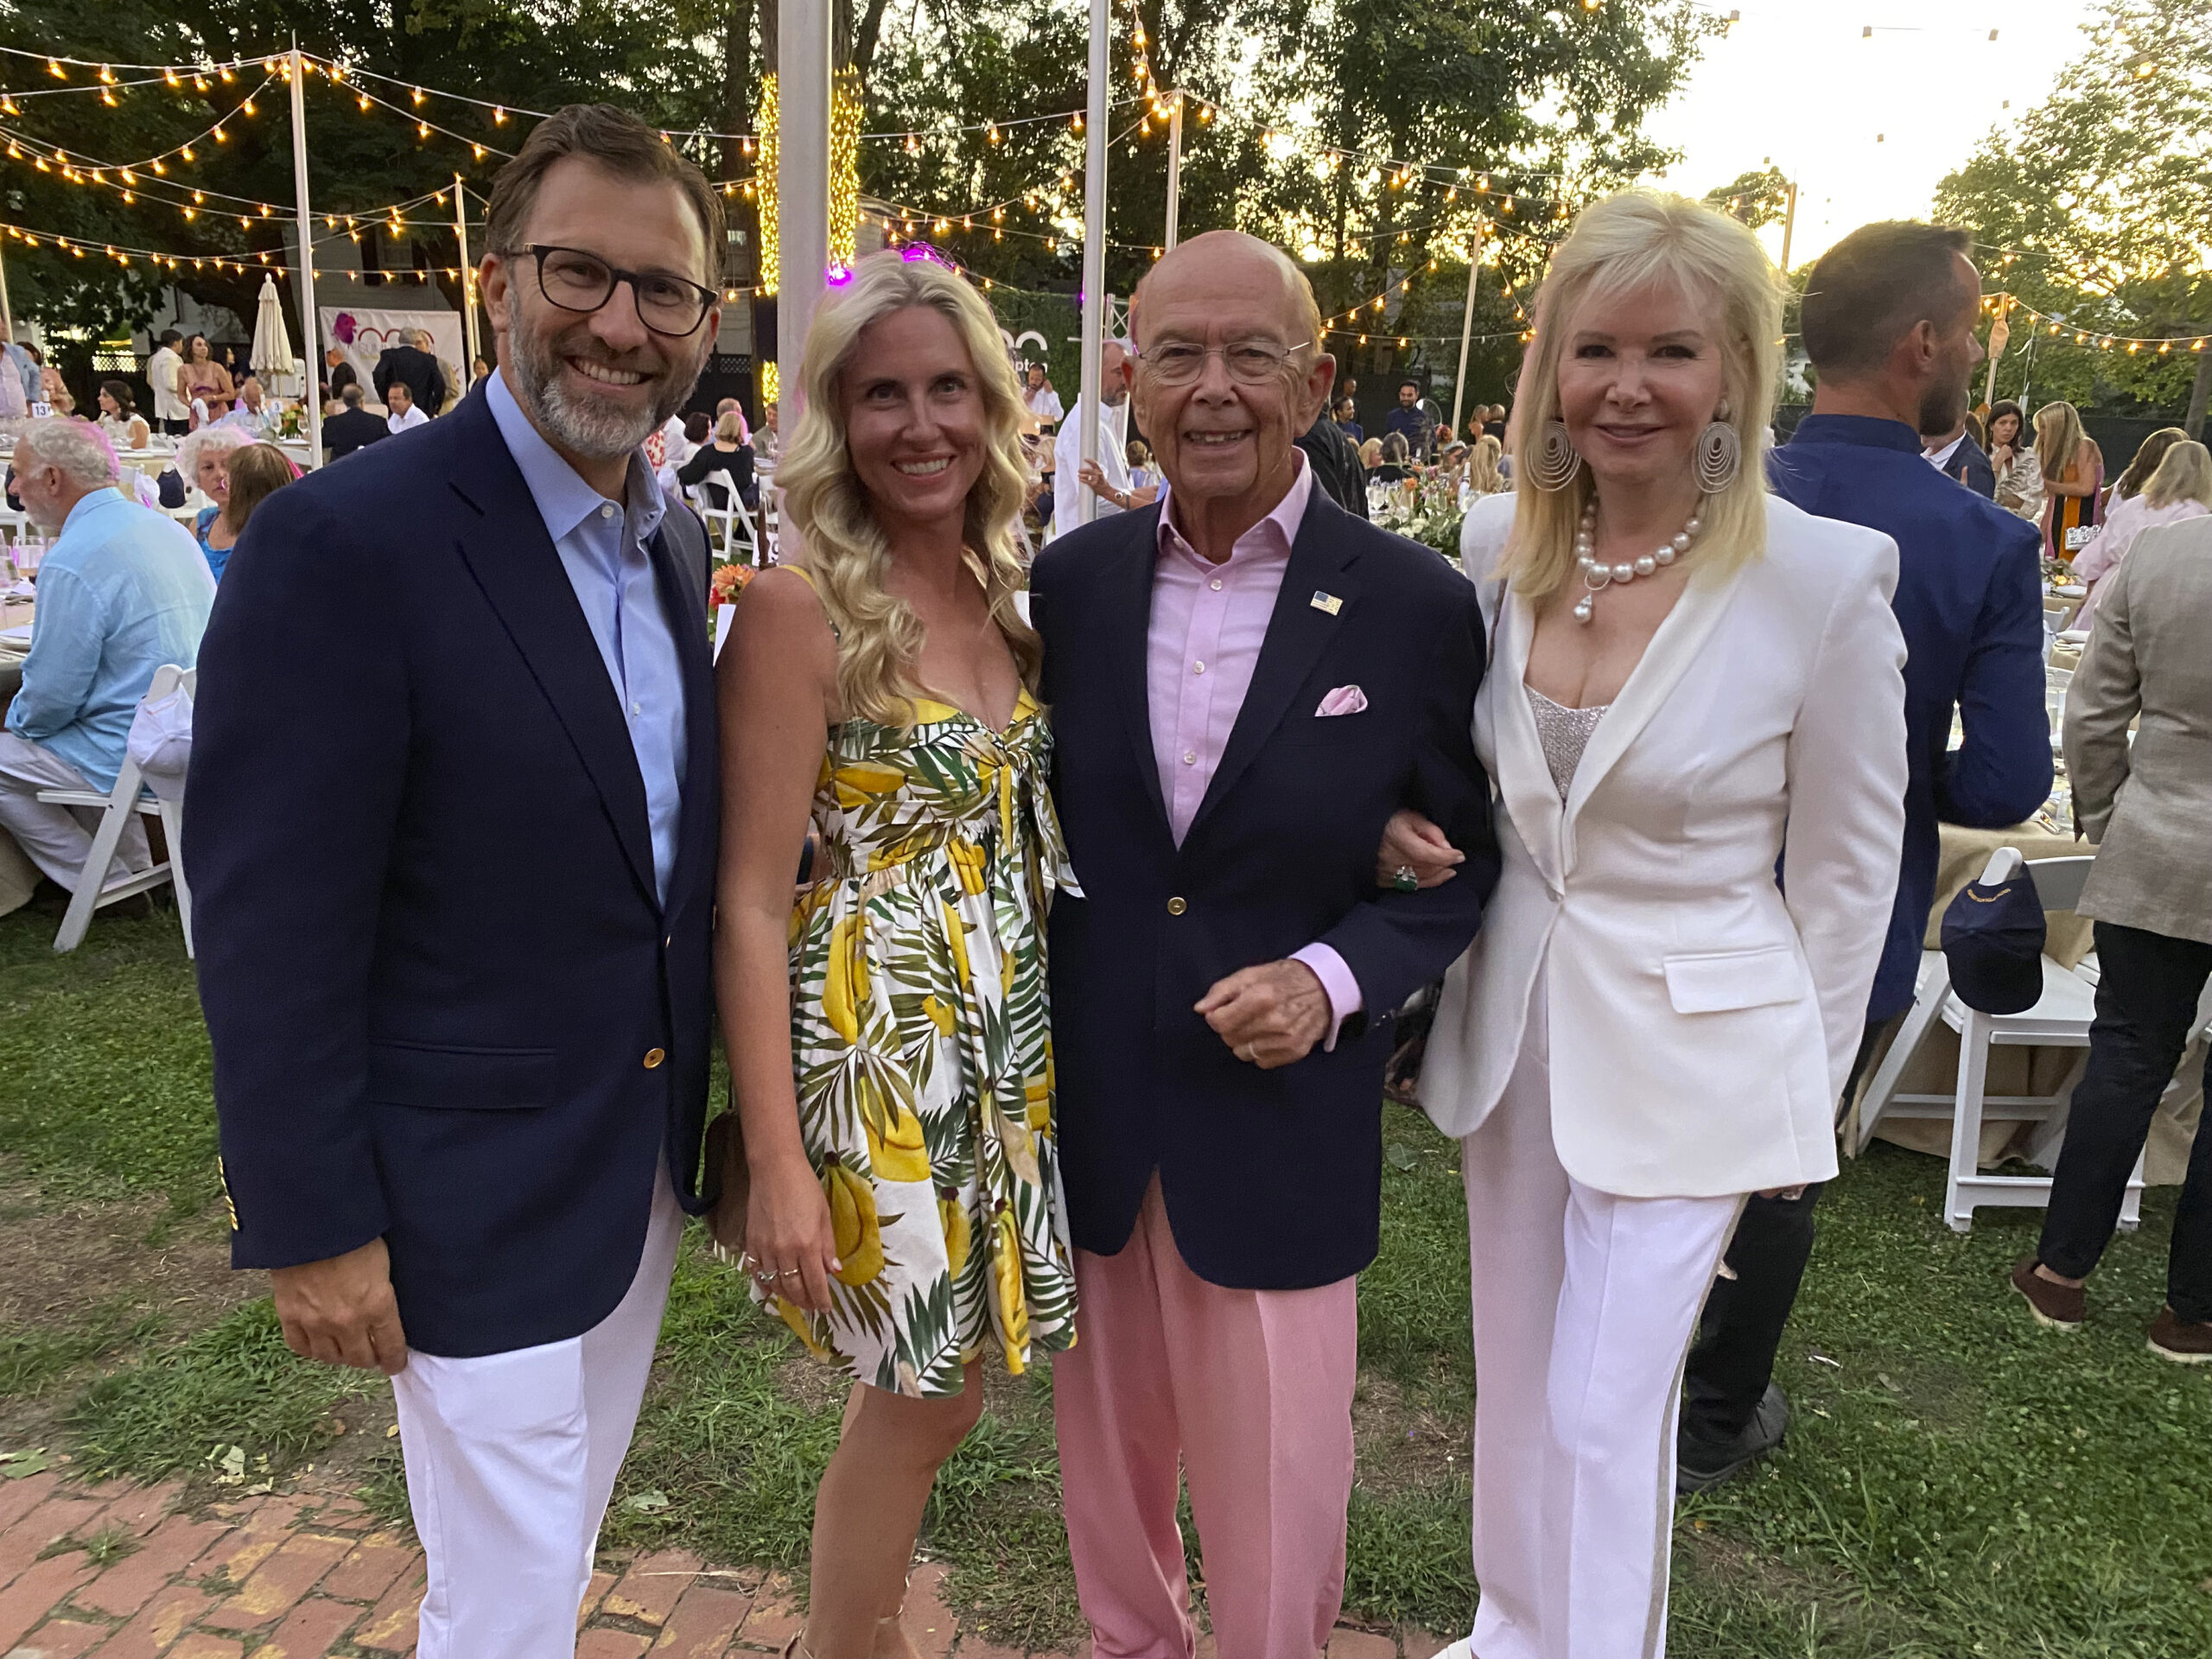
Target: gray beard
(582, 425)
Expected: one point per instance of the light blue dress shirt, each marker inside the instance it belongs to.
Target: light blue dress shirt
(602, 548)
(121, 591)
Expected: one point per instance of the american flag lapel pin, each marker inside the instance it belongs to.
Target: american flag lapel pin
(1327, 602)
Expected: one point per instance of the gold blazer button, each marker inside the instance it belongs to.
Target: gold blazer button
(1176, 906)
(654, 1057)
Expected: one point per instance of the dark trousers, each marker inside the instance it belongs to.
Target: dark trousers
(175, 429)
(2147, 997)
(1733, 1360)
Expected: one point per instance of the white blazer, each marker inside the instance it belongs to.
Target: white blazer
(1702, 1023)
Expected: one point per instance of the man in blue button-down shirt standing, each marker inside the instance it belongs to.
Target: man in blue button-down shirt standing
(121, 591)
(454, 861)
(1888, 322)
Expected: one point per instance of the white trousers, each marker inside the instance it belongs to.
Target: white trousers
(1585, 1305)
(511, 1460)
(58, 839)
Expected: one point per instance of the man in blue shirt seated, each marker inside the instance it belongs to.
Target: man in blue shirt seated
(121, 591)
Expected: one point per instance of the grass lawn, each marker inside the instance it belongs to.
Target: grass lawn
(1956, 1482)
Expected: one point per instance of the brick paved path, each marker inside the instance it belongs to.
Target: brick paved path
(303, 1576)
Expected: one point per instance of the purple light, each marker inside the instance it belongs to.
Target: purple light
(839, 275)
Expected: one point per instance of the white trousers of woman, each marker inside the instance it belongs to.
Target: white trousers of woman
(1585, 1305)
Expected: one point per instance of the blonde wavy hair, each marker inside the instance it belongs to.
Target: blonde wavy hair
(1617, 246)
(2185, 475)
(2058, 439)
(1483, 471)
(880, 638)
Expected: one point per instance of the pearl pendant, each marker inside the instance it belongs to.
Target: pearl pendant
(1583, 609)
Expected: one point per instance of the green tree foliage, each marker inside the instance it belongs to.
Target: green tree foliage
(1758, 198)
(2095, 209)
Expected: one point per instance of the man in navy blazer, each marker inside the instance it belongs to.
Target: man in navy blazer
(1244, 689)
(453, 823)
(1889, 320)
(1954, 453)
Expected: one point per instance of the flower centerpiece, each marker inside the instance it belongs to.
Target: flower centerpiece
(1425, 510)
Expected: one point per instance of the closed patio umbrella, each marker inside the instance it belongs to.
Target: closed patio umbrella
(273, 358)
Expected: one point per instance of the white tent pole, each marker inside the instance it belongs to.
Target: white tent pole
(1466, 328)
(467, 273)
(1174, 165)
(310, 336)
(1094, 248)
(802, 187)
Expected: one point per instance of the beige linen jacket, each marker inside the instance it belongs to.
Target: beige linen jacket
(2148, 807)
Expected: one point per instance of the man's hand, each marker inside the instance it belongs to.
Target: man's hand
(340, 1311)
(1269, 1016)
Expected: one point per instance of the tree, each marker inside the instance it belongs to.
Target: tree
(1758, 198)
(2093, 210)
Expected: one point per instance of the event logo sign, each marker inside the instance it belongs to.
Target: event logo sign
(365, 335)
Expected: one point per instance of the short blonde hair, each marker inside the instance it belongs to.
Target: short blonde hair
(729, 426)
(879, 639)
(1623, 243)
(2185, 475)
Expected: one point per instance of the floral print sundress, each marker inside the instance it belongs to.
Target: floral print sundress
(922, 1049)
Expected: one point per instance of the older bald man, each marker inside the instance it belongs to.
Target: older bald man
(1245, 684)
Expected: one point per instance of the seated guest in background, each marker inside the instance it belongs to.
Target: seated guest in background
(1370, 458)
(406, 414)
(2180, 488)
(255, 413)
(125, 428)
(205, 459)
(1888, 322)
(411, 365)
(1348, 421)
(353, 427)
(251, 473)
(2148, 455)
(1483, 476)
(768, 440)
(1957, 454)
(121, 593)
(2147, 804)
(728, 453)
(1397, 460)
(1308, 674)
(2012, 462)
(1649, 1026)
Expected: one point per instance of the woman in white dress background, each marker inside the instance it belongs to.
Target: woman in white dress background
(1690, 681)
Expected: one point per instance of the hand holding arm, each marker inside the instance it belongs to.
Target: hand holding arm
(1410, 842)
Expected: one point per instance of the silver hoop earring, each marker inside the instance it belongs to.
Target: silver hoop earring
(1556, 462)
(1720, 453)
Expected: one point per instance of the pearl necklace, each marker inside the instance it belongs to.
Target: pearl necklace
(1597, 576)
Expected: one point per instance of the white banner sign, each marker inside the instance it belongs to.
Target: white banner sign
(365, 334)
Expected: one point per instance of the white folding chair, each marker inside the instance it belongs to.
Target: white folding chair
(772, 524)
(2060, 1018)
(736, 522)
(93, 892)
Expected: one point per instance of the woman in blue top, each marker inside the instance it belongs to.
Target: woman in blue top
(203, 461)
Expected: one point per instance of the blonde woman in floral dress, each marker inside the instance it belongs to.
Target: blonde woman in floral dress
(890, 1045)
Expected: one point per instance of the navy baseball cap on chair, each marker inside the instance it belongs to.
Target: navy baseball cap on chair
(1993, 940)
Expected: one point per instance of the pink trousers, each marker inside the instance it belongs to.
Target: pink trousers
(1250, 1391)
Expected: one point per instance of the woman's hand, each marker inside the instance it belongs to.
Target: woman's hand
(790, 1246)
(1410, 842)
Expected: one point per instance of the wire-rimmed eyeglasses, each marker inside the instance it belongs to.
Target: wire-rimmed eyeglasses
(1180, 362)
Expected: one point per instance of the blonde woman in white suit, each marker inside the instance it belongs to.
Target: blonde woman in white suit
(1691, 682)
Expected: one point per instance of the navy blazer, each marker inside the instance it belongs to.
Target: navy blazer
(1970, 467)
(1969, 599)
(1272, 1180)
(447, 1008)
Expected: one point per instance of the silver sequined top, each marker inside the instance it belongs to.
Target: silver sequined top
(1564, 733)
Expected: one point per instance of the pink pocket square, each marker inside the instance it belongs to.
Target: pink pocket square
(1344, 700)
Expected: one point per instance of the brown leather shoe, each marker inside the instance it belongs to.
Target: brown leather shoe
(2060, 1307)
(2179, 1339)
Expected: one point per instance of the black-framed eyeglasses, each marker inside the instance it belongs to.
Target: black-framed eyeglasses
(580, 282)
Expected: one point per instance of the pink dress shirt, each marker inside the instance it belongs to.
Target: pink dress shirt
(1208, 623)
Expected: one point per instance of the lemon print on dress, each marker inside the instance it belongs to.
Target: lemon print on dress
(897, 1152)
(959, 1231)
(956, 935)
(1020, 1144)
(940, 1013)
(860, 782)
(1038, 1092)
(845, 990)
(968, 863)
(1006, 1278)
(794, 1318)
(852, 1220)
